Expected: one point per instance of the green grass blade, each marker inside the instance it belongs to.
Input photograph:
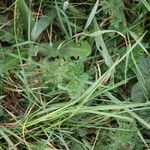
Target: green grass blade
(146, 4)
(40, 26)
(91, 16)
(10, 143)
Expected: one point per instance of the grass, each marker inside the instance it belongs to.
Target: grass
(74, 78)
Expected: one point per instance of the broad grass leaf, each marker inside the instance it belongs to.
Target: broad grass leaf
(92, 14)
(101, 46)
(40, 26)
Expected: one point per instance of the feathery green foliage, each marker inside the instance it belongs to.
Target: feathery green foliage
(74, 75)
